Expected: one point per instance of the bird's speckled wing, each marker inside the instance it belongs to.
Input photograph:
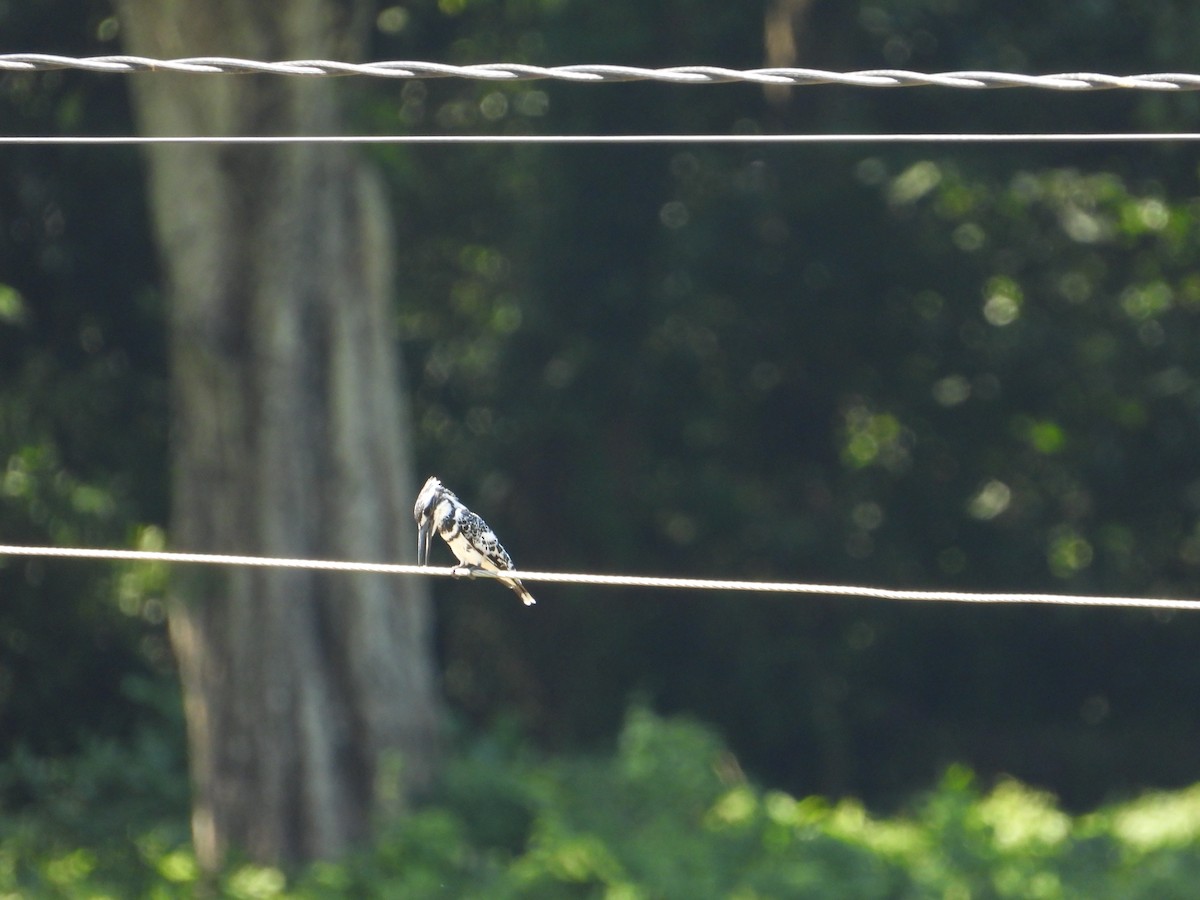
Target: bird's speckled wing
(483, 539)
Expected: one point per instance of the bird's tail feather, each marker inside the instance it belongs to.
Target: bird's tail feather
(521, 591)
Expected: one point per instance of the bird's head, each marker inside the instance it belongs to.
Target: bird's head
(427, 501)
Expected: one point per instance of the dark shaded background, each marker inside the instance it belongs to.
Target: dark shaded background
(935, 366)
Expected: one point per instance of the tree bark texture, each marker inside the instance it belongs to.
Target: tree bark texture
(782, 22)
(310, 698)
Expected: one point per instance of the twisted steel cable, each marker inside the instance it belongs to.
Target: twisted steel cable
(598, 73)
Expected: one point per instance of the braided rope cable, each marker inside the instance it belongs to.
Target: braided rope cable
(656, 582)
(595, 74)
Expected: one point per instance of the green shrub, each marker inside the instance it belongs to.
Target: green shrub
(667, 815)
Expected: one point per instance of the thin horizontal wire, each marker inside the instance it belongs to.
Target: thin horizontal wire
(596, 74)
(695, 584)
(931, 138)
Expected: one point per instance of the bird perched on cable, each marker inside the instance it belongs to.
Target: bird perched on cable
(473, 542)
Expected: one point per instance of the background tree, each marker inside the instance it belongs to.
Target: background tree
(780, 362)
(310, 699)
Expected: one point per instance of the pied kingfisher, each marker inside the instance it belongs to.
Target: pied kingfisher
(473, 542)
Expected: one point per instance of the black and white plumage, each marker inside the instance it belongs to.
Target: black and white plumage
(473, 542)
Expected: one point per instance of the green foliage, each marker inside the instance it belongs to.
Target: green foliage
(667, 815)
(82, 398)
(970, 369)
(106, 821)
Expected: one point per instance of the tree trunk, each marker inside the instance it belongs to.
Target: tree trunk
(310, 697)
(782, 22)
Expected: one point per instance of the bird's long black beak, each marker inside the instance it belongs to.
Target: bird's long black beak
(424, 539)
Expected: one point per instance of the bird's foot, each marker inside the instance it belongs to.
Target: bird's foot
(465, 571)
